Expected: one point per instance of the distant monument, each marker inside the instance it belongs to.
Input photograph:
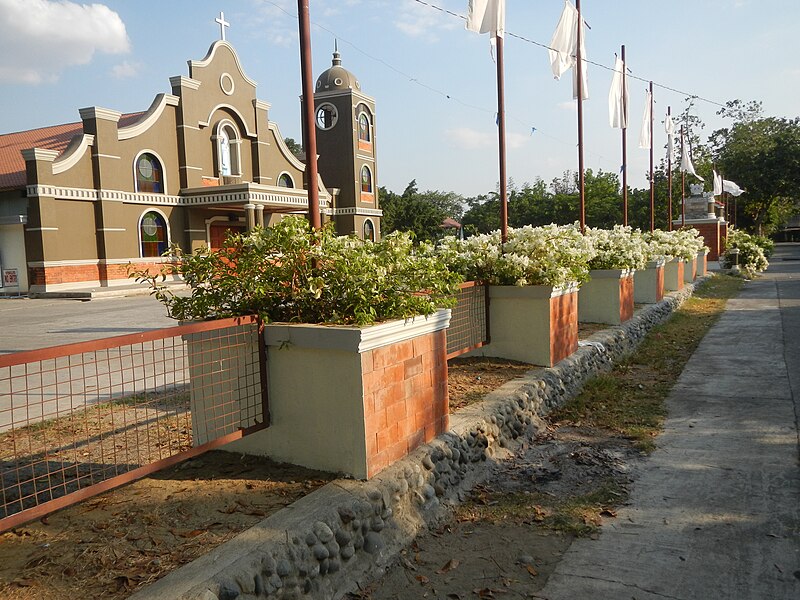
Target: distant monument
(701, 213)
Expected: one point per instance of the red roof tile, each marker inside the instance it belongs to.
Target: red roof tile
(57, 137)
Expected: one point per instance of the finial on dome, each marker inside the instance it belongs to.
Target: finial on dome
(337, 58)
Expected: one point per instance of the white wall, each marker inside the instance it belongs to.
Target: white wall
(12, 254)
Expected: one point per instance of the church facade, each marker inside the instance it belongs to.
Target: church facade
(81, 202)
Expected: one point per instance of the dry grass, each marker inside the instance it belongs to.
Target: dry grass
(629, 400)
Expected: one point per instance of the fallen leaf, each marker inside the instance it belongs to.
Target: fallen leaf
(533, 572)
(449, 566)
(607, 512)
(422, 579)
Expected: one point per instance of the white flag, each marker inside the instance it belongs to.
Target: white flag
(669, 127)
(487, 16)
(686, 162)
(644, 137)
(618, 97)
(732, 188)
(717, 183)
(564, 49)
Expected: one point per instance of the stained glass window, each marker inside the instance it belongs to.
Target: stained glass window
(363, 128)
(153, 233)
(149, 177)
(366, 180)
(369, 231)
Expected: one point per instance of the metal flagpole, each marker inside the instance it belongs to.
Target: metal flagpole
(683, 185)
(669, 175)
(309, 131)
(652, 182)
(624, 143)
(579, 74)
(501, 124)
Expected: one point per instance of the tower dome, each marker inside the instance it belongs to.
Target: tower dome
(337, 77)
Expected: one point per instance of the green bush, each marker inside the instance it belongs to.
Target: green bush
(291, 273)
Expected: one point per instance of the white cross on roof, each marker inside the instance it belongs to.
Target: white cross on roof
(222, 24)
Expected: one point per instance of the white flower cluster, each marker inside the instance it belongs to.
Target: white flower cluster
(751, 259)
(549, 255)
(682, 243)
(618, 248)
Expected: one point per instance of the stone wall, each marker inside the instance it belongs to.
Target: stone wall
(346, 533)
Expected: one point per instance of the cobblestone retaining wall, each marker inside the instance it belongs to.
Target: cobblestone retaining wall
(346, 533)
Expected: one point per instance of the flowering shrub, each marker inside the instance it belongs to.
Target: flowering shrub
(617, 248)
(549, 255)
(291, 273)
(752, 259)
(682, 243)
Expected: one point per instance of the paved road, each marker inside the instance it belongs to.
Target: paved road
(51, 388)
(716, 511)
(30, 324)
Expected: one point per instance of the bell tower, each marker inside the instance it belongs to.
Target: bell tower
(345, 122)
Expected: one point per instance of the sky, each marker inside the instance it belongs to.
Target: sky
(434, 82)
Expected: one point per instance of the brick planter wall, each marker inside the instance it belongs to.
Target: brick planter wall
(405, 397)
(690, 271)
(702, 264)
(648, 284)
(607, 297)
(536, 324)
(353, 400)
(673, 275)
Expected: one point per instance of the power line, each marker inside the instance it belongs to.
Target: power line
(586, 60)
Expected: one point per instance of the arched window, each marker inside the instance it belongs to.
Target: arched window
(154, 234)
(149, 174)
(366, 180)
(369, 230)
(285, 180)
(228, 150)
(364, 126)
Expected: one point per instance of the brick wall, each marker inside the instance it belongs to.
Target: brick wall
(87, 273)
(563, 326)
(659, 284)
(625, 298)
(405, 397)
(712, 237)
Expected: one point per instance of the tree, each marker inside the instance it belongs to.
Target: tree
(762, 155)
(419, 212)
(294, 147)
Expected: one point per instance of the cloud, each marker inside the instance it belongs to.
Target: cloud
(571, 105)
(126, 70)
(41, 38)
(418, 20)
(470, 139)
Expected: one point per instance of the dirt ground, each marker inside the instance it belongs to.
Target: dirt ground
(110, 545)
(506, 540)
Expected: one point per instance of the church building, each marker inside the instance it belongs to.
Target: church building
(80, 202)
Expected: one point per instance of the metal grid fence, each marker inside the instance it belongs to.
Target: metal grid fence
(469, 321)
(80, 419)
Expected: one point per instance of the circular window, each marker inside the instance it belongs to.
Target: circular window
(226, 84)
(149, 225)
(145, 168)
(327, 116)
(338, 81)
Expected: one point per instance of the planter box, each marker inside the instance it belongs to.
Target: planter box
(702, 263)
(673, 275)
(690, 271)
(536, 324)
(353, 400)
(607, 297)
(648, 283)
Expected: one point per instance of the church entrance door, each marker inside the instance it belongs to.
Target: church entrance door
(218, 233)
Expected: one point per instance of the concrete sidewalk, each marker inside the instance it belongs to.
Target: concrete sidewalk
(715, 513)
